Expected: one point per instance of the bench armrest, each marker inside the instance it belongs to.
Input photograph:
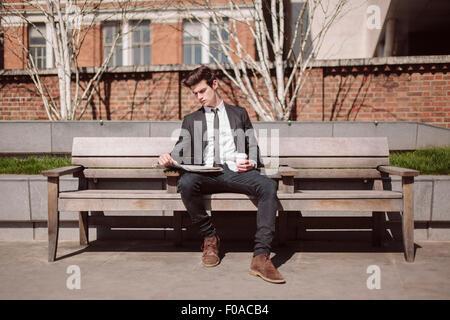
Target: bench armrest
(171, 173)
(287, 171)
(398, 171)
(54, 173)
(286, 184)
(172, 180)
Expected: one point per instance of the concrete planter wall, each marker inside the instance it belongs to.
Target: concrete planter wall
(23, 199)
(56, 137)
(23, 212)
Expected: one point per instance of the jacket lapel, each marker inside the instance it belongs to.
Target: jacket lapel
(231, 116)
(233, 119)
(199, 133)
(200, 130)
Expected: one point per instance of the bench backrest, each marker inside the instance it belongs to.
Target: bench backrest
(296, 152)
(326, 152)
(119, 152)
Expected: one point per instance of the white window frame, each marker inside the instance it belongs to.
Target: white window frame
(198, 42)
(127, 40)
(49, 61)
(131, 45)
(217, 41)
(205, 38)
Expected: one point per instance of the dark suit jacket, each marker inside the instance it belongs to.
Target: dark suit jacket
(193, 138)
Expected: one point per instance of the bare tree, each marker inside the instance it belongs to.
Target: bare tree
(283, 50)
(68, 21)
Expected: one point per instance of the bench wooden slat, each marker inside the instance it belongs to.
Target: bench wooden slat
(125, 173)
(299, 194)
(333, 147)
(289, 146)
(297, 204)
(121, 146)
(327, 162)
(337, 173)
(146, 162)
(301, 173)
(116, 162)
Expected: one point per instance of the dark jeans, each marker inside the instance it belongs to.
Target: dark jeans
(193, 185)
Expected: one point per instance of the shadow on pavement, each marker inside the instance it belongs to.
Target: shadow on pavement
(316, 242)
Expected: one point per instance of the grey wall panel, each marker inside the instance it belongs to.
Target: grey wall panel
(64, 132)
(25, 137)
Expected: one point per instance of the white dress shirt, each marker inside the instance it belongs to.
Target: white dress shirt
(226, 139)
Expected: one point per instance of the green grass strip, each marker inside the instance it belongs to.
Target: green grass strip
(428, 161)
(31, 165)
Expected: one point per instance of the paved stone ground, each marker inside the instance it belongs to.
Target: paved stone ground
(153, 269)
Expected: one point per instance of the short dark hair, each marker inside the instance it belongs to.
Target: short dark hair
(199, 74)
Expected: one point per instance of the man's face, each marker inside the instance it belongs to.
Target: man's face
(206, 94)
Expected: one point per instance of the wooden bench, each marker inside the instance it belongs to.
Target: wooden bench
(300, 159)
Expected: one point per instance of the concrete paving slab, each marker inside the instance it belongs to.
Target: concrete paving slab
(154, 269)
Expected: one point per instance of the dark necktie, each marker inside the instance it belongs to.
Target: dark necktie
(216, 138)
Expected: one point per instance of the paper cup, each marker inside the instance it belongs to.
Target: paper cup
(240, 158)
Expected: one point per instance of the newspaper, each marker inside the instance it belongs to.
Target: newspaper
(195, 168)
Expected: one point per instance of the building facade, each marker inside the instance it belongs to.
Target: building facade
(162, 42)
(152, 33)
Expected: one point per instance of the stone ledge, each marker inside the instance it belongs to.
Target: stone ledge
(55, 137)
(375, 61)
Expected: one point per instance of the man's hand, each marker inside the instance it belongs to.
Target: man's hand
(165, 160)
(245, 166)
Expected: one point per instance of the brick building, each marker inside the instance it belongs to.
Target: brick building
(144, 79)
(159, 34)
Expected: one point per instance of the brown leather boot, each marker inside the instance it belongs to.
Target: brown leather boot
(210, 247)
(262, 266)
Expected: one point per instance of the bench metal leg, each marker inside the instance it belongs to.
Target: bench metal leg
(83, 225)
(378, 227)
(53, 217)
(378, 217)
(408, 217)
(282, 227)
(301, 227)
(177, 227)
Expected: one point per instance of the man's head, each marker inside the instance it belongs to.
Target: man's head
(203, 84)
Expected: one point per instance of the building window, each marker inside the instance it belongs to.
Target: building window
(140, 43)
(214, 41)
(37, 45)
(192, 42)
(133, 47)
(110, 31)
(201, 40)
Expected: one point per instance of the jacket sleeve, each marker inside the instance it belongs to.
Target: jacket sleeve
(251, 144)
(182, 150)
